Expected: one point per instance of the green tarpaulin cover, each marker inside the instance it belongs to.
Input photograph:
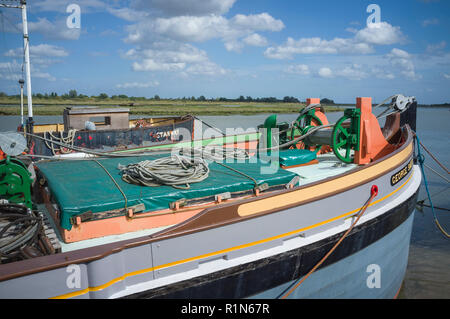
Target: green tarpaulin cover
(296, 157)
(79, 186)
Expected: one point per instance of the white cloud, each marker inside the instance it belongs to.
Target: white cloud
(128, 14)
(206, 68)
(362, 43)
(42, 56)
(61, 5)
(39, 50)
(255, 40)
(403, 61)
(382, 73)
(173, 56)
(325, 73)
(447, 76)
(42, 75)
(152, 65)
(138, 85)
(164, 30)
(353, 72)
(12, 71)
(381, 33)
(298, 69)
(234, 45)
(188, 28)
(57, 30)
(48, 50)
(316, 46)
(257, 22)
(235, 32)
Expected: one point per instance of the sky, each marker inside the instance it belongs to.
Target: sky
(228, 48)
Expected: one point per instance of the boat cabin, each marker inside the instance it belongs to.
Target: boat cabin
(103, 118)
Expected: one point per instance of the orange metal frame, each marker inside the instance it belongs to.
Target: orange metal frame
(372, 143)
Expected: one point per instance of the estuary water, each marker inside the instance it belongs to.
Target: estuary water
(428, 272)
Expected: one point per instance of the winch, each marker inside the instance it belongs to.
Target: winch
(15, 179)
(354, 138)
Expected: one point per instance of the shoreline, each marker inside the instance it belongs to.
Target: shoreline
(170, 108)
(173, 107)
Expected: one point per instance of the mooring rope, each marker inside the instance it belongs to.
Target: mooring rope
(421, 160)
(435, 159)
(290, 289)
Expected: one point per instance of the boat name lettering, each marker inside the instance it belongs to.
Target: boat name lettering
(173, 133)
(397, 177)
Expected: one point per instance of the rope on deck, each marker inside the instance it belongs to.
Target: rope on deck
(174, 171)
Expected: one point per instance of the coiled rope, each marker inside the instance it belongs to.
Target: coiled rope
(68, 140)
(214, 153)
(173, 171)
(21, 233)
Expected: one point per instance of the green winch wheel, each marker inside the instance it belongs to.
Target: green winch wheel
(308, 117)
(317, 147)
(15, 182)
(346, 138)
(302, 123)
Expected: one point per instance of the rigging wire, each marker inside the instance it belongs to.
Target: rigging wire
(3, 31)
(421, 160)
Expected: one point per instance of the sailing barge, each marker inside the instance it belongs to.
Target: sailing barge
(320, 218)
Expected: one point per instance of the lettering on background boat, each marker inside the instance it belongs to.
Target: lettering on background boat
(172, 133)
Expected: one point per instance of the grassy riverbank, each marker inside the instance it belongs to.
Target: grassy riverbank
(10, 106)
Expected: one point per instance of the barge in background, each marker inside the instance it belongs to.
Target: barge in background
(107, 130)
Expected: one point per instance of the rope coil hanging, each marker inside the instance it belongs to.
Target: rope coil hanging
(68, 140)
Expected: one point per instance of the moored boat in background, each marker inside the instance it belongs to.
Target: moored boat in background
(107, 130)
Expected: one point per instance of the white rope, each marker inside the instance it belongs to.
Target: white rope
(214, 153)
(173, 171)
(68, 140)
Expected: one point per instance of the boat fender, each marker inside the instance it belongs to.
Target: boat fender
(88, 125)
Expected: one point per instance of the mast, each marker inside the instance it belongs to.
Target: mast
(26, 45)
(21, 82)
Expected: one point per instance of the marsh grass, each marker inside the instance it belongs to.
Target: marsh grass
(11, 106)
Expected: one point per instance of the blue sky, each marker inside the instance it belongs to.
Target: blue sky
(229, 48)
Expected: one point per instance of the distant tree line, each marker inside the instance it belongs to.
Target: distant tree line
(73, 94)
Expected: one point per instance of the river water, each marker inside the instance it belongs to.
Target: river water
(428, 272)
